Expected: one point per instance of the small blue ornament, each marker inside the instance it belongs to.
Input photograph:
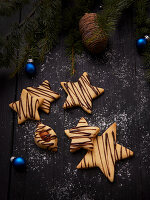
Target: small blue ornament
(142, 42)
(30, 68)
(18, 162)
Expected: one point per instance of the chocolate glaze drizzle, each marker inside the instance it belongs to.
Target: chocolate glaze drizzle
(48, 141)
(81, 136)
(26, 107)
(81, 93)
(78, 133)
(44, 91)
(104, 155)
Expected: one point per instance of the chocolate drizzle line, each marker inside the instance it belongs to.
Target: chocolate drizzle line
(41, 129)
(80, 91)
(44, 91)
(81, 132)
(99, 155)
(108, 152)
(29, 109)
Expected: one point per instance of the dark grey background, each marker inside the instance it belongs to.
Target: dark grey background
(125, 101)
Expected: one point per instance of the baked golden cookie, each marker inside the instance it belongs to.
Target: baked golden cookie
(81, 136)
(81, 93)
(105, 153)
(27, 107)
(45, 92)
(45, 137)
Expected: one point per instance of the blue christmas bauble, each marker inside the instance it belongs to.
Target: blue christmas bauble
(18, 162)
(141, 43)
(30, 69)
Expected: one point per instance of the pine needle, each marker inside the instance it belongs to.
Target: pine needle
(143, 28)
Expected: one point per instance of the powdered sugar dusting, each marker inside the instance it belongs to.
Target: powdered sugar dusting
(37, 158)
(125, 101)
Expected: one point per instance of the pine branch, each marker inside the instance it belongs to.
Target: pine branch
(7, 7)
(109, 16)
(143, 28)
(73, 62)
(142, 20)
(36, 35)
(71, 17)
(74, 47)
(148, 74)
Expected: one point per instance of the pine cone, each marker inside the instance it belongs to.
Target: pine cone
(93, 37)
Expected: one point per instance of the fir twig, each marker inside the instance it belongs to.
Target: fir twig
(109, 16)
(38, 33)
(35, 36)
(71, 17)
(73, 62)
(8, 7)
(143, 28)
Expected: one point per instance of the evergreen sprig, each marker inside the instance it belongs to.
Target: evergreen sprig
(9, 47)
(109, 16)
(71, 16)
(34, 36)
(143, 28)
(8, 7)
(38, 33)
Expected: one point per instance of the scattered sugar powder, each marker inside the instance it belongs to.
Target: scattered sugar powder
(114, 106)
(142, 89)
(123, 171)
(36, 157)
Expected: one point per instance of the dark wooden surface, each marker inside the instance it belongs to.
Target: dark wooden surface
(126, 100)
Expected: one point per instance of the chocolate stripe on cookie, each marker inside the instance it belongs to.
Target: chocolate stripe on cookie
(27, 110)
(44, 91)
(45, 137)
(81, 136)
(81, 93)
(106, 152)
(27, 107)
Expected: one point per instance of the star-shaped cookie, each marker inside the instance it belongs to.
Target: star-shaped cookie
(27, 107)
(105, 153)
(45, 137)
(81, 136)
(44, 91)
(81, 93)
